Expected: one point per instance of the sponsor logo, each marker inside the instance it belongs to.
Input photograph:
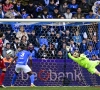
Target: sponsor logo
(49, 75)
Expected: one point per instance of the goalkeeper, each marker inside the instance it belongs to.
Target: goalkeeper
(84, 62)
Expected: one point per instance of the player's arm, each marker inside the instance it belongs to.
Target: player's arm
(71, 57)
(14, 59)
(83, 56)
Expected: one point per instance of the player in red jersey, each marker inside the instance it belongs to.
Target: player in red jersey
(2, 64)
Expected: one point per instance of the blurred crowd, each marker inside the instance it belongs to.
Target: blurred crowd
(27, 9)
(48, 42)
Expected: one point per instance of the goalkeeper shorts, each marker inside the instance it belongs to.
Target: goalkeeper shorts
(92, 69)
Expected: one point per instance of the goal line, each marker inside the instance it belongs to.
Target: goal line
(52, 86)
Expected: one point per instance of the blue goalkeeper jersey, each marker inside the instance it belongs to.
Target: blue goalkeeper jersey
(23, 57)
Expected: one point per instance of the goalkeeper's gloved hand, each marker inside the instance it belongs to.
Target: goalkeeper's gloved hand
(68, 48)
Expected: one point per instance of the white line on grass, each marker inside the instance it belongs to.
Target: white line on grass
(51, 86)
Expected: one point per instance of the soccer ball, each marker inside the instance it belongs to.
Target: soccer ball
(9, 52)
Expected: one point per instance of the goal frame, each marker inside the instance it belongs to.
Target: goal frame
(49, 20)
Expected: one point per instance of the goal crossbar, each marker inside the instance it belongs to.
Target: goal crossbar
(49, 20)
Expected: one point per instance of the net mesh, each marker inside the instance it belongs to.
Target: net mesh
(51, 39)
(48, 41)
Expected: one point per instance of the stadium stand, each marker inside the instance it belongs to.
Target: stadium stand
(47, 8)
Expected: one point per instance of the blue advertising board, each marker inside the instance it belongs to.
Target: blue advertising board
(54, 73)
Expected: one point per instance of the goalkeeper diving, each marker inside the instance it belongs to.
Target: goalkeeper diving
(84, 62)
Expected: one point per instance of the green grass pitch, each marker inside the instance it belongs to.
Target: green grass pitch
(51, 88)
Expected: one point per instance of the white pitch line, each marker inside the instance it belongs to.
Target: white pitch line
(51, 86)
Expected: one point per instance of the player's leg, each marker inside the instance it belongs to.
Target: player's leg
(17, 70)
(93, 69)
(97, 72)
(27, 70)
(14, 79)
(2, 76)
(31, 78)
(94, 63)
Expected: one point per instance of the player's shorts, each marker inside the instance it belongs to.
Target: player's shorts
(2, 64)
(92, 69)
(24, 68)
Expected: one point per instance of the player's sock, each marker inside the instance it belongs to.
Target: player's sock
(14, 79)
(32, 79)
(2, 76)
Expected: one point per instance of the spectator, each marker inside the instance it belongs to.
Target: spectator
(24, 14)
(94, 57)
(98, 12)
(83, 46)
(60, 44)
(42, 52)
(8, 47)
(85, 7)
(72, 45)
(16, 44)
(39, 8)
(56, 13)
(64, 51)
(79, 14)
(53, 36)
(43, 40)
(52, 51)
(77, 38)
(1, 13)
(51, 6)
(60, 55)
(33, 39)
(91, 15)
(24, 41)
(58, 41)
(11, 13)
(73, 6)
(21, 32)
(89, 34)
(63, 7)
(32, 50)
(94, 42)
(18, 6)
(68, 36)
(68, 14)
(6, 6)
(46, 14)
(30, 9)
(9, 35)
(5, 41)
(44, 30)
(96, 7)
(90, 52)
